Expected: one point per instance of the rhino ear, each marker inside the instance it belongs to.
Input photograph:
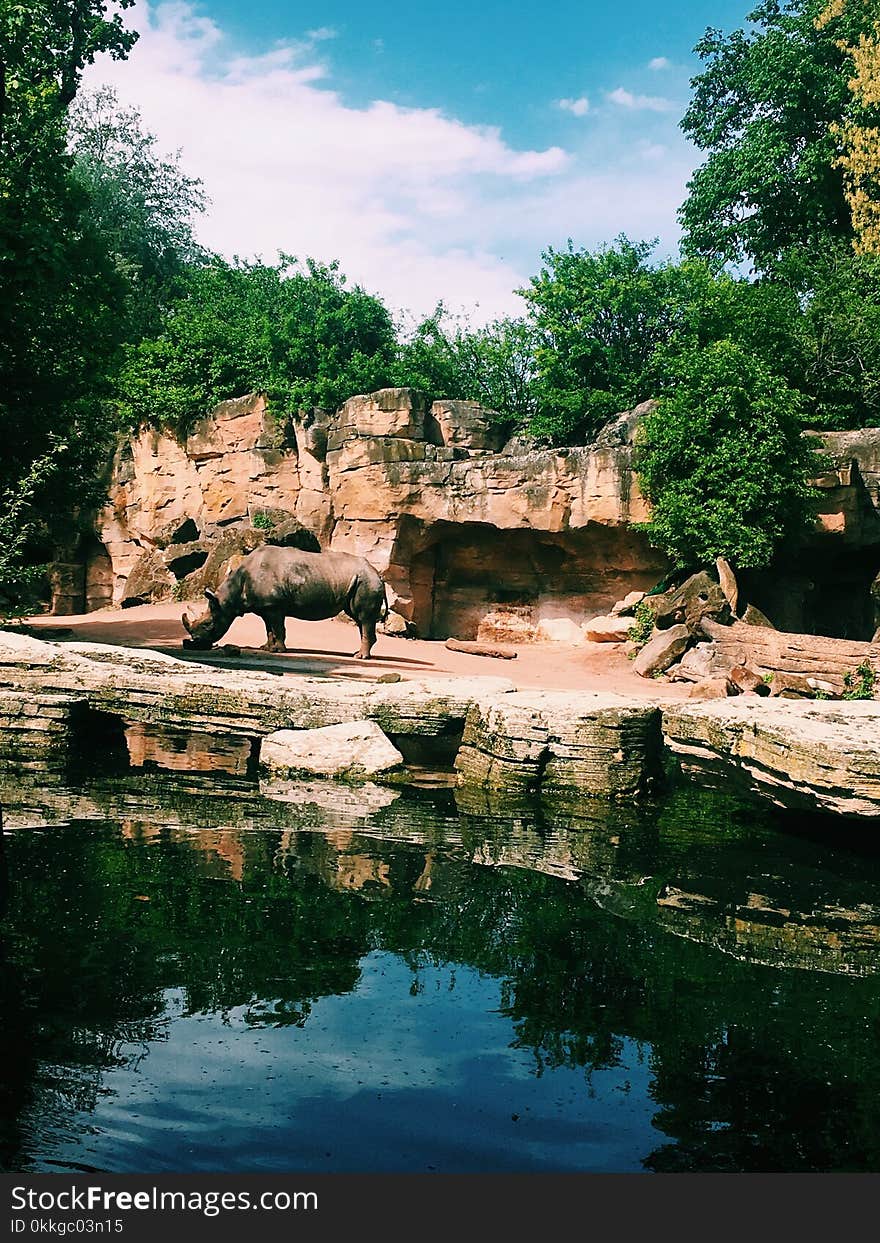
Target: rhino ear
(187, 624)
(212, 599)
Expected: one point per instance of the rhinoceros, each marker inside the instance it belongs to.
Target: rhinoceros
(276, 583)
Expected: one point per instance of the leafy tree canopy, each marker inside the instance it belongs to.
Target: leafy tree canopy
(294, 331)
(723, 460)
(598, 315)
(859, 132)
(493, 365)
(763, 110)
(141, 203)
(60, 295)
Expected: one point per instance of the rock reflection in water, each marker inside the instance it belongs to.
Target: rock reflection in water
(447, 939)
(151, 746)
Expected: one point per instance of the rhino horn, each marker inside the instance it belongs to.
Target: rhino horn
(187, 624)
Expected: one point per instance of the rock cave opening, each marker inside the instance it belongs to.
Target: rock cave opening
(476, 581)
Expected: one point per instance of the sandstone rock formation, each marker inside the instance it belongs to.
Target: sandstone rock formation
(477, 539)
(566, 747)
(474, 543)
(801, 756)
(560, 744)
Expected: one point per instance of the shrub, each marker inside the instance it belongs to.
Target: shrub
(643, 624)
(723, 460)
(860, 683)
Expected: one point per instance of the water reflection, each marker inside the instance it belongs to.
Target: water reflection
(196, 975)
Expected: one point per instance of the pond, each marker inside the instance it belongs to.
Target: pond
(194, 976)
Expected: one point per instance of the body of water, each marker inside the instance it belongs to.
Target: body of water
(195, 977)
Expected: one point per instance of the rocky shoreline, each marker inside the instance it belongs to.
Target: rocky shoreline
(808, 756)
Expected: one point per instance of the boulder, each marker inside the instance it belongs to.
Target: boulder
(747, 681)
(621, 430)
(353, 750)
(698, 597)
(607, 629)
(395, 624)
(698, 664)
(799, 686)
(559, 630)
(710, 688)
(150, 580)
(754, 617)
(389, 412)
(468, 425)
(661, 651)
(521, 444)
(628, 603)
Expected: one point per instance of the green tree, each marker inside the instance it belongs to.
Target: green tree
(60, 295)
(598, 317)
(493, 365)
(723, 460)
(839, 328)
(763, 110)
(293, 331)
(141, 203)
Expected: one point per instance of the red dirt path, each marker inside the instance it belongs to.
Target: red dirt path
(325, 648)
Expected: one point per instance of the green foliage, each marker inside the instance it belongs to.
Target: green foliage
(768, 110)
(293, 332)
(61, 295)
(263, 522)
(762, 109)
(839, 328)
(493, 365)
(860, 683)
(598, 317)
(723, 461)
(17, 527)
(643, 624)
(141, 203)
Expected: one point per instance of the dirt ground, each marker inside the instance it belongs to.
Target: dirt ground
(325, 649)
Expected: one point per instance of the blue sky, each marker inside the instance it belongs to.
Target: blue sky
(435, 150)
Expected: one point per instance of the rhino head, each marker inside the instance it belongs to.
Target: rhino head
(208, 628)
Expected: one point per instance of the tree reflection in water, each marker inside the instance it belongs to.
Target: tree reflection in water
(739, 961)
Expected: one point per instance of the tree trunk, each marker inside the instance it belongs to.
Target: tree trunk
(480, 649)
(776, 651)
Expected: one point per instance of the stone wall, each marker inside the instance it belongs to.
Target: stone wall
(475, 538)
(472, 537)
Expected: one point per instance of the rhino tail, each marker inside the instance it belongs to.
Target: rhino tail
(385, 610)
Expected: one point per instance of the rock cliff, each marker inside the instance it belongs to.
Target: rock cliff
(476, 539)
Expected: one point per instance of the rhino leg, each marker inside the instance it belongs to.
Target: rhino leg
(275, 638)
(368, 638)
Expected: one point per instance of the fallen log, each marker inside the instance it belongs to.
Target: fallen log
(480, 649)
(778, 651)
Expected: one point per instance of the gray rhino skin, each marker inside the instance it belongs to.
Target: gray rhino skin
(276, 583)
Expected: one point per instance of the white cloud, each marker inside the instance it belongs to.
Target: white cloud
(416, 204)
(659, 62)
(579, 107)
(322, 33)
(640, 103)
